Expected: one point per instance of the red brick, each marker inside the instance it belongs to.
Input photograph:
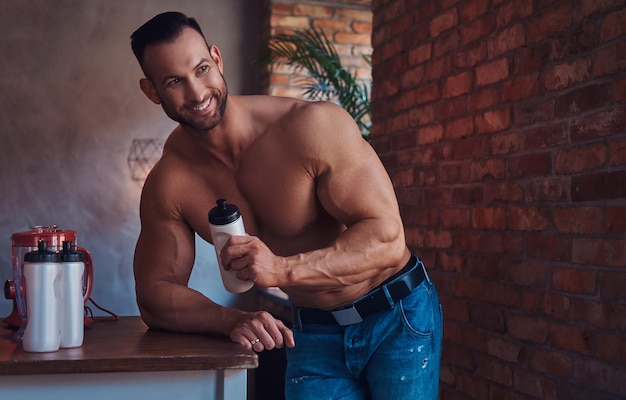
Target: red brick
(600, 314)
(530, 164)
(581, 281)
(430, 134)
(426, 94)
(397, 123)
(412, 77)
(437, 68)
(620, 90)
(437, 196)
(599, 186)
(472, 9)
(615, 220)
(546, 136)
(526, 328)
(470, 148)
(522, 87)
(530, 59)
(611, 283)
(566, 75)
(548, 189)
(443, 22)
(594, 373)
(420, 54)
(505, 143)
(495, 371)
(549, 247)
(467, 195)
(469, 56)
(312, 11)
(477, 29)
(610, 60)
(572, 338)
(551, 22)
(454, 172)
(493, 121)
(514, 11)
(589, 7)
(601, 124)
(579, 220)
(507, 40)
(526, 272)
(488, 169)
(460, 128)
(613, 25)
(580, 158)
(538, 110)
(551, 362)
(448, 42)
(483, 98)
(455, 309)
(472, 387)
(489, 218)
(362, 39)
(612, 348)
(290, 22)
(421, 115)
(362, 27)
(403, 178)
(455, 218)
(503, 191)
(438, 239)
(332, 25)
(450, 108)
(493, 72)
(353, 14)
(458, 84)
(505, 349)
(529, 218)
(539, 386)
(609, 252)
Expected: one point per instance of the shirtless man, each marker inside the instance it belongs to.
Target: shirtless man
(322, 220)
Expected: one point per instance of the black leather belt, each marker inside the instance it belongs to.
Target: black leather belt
(383, 297)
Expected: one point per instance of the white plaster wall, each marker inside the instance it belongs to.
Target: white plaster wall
(70, 106)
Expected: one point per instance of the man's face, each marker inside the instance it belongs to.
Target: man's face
(185, 77)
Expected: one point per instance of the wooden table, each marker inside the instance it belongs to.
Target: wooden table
(124, 360)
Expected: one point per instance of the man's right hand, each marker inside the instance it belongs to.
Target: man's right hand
(260, 331)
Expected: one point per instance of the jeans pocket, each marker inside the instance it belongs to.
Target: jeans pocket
(417, 312)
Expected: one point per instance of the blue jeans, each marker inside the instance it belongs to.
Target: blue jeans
(392, 354)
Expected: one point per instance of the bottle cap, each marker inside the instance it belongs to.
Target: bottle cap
(42, 254)
(69, 253)
(223, 213)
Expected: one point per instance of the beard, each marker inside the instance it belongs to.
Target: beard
(203, 124)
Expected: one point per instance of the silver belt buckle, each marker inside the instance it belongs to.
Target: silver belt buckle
(348, 316)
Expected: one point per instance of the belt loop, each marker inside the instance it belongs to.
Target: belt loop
(421, 264)
(296, 319)
(388, 296)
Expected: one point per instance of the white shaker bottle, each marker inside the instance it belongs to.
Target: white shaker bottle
(225, 221)
(72, 301)
(41, 275)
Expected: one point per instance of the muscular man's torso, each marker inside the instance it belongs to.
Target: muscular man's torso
(273, 182)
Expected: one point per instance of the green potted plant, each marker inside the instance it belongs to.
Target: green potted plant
(311, 51)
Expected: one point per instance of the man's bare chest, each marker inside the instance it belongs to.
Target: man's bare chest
(279, 205)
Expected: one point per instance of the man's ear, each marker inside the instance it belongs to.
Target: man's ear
(148, 89)
(216, 55)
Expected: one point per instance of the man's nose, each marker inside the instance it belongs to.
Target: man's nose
(195, 90)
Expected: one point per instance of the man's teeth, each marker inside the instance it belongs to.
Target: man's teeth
(202, 106)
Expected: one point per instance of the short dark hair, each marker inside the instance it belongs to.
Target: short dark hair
(162, 28)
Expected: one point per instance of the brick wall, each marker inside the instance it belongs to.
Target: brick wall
(503, 126)
(347, 24)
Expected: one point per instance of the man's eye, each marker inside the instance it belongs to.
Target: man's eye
(203, 69)
(173, 82)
